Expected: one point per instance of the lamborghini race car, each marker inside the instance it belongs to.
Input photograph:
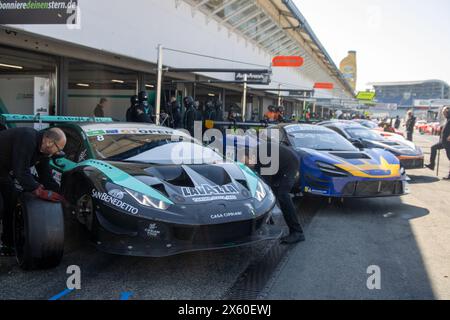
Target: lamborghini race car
(144, 190)
(410, 156)
(330, 166)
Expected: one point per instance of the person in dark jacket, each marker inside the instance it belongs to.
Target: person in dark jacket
(174, 110)
(190, 115)
(99, 111)
(21, 149)
(218, 105)
(282, 184)
(210, 111)
(444, 142)
(143, 112)
(134, 100)
(410, 124)
(397, 123)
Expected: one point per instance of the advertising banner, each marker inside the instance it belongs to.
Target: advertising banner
(41, 97)
(38, 12)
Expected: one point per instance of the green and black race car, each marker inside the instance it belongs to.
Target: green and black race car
(144, 190)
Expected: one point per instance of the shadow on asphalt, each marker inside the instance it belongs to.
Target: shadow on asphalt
(348, 237)
(423, 179)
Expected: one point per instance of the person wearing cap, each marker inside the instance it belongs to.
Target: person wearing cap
(142, 112)
(134, 100)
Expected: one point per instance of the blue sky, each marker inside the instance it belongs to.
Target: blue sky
(396, 40)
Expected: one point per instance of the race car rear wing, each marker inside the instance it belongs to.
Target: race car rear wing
(6, 119)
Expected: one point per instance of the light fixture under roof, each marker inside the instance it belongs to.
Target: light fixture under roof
(118, 81)
(211, 94)
(83, 85)
(149, 86)
(11, 66)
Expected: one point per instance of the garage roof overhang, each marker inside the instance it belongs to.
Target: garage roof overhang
(276, 26)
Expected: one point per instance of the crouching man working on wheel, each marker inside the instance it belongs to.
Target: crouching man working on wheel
(21, 149)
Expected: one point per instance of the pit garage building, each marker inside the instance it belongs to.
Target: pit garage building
(112, 52)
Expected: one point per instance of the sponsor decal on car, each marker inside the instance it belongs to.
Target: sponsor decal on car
(131, 131)
(215, 198)
(208, 190)
(226, 215)
(152, 231)
(114, 201)
(310, 190)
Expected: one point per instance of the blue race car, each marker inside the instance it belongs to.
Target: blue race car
(333, 167)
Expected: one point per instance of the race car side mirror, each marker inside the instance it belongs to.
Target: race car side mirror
(358, 143)
(56, 159)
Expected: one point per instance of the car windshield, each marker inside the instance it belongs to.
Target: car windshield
(151, 148)
(369, 124)
(363, 133)
(320, 140)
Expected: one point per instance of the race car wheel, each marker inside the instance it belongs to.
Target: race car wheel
(38, 233)
(85, 208)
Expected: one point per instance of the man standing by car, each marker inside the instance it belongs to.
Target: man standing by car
(444, 142)
(397, 123)
(99, 111)
(410, 124)
(282, 184)
(21, 149)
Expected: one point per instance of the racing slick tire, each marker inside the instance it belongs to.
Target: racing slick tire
(38, 233)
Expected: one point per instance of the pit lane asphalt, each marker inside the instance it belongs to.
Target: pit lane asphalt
(408, 238)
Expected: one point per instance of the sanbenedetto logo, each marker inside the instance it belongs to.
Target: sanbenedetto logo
(38, 12)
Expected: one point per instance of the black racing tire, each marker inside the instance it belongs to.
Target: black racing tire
(38, 233)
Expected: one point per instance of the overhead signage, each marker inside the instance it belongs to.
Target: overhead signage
(38, 12)
(324, 85)
(254, 77)
(288, 61)
(366, 95)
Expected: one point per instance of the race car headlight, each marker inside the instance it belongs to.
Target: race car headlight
(148, 201)
(330, 169)
(402, 171)
(261, 192)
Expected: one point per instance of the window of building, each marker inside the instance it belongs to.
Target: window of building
(89, 83)
(27, 82)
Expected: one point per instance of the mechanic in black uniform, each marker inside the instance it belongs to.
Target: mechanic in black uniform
(143, 112)
(21, 149)
(134, 100)
(210, 111)
(444, 142)
(219, 110)
(282, 184)
(190, 114)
